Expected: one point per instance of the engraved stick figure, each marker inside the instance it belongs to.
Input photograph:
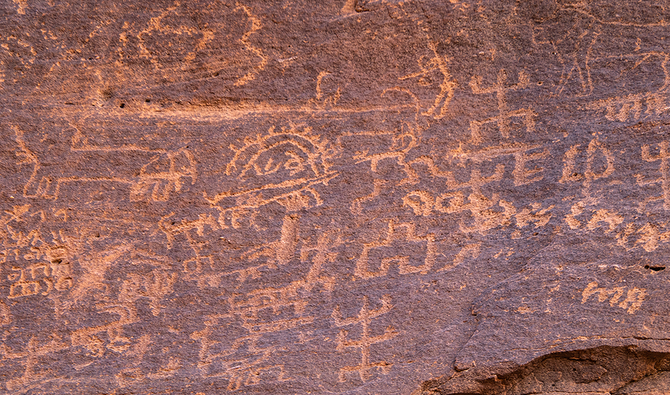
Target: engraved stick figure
(364, 318)
(504, 113)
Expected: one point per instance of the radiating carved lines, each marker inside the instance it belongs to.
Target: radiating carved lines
(305, 162)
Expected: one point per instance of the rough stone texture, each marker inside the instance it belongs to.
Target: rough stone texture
(337, 197)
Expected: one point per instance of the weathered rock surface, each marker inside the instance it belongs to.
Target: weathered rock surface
(348, 197)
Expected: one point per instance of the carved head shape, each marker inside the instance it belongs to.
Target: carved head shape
(281, 166)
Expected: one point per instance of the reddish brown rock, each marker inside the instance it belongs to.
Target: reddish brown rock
(355, 197)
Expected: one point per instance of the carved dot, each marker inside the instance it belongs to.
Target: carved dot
(147, 100)
(122, 105)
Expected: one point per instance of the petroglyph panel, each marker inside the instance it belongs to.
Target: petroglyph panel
(354, 197)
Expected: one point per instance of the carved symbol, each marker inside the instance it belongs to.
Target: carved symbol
(633, 301)
(536, 213)
(469, 250)
(570, 173)
(504, 113)
(88, 337)
(481, 207)
(364, 318)
(447, 87)
(291, 296)
(281, 167)
(31, 355)
(612, 219)
(244, 363)
(324, 101)
(162, 173)
(184, 227)
(392, 235)
(255, 26)
(663, 156)
(262, 312)
(399, 144)
(156, 24)
(629, 107)
(650, 236)
(154, 287)
(40, 279)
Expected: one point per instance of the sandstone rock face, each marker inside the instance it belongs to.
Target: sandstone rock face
(338, 197)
